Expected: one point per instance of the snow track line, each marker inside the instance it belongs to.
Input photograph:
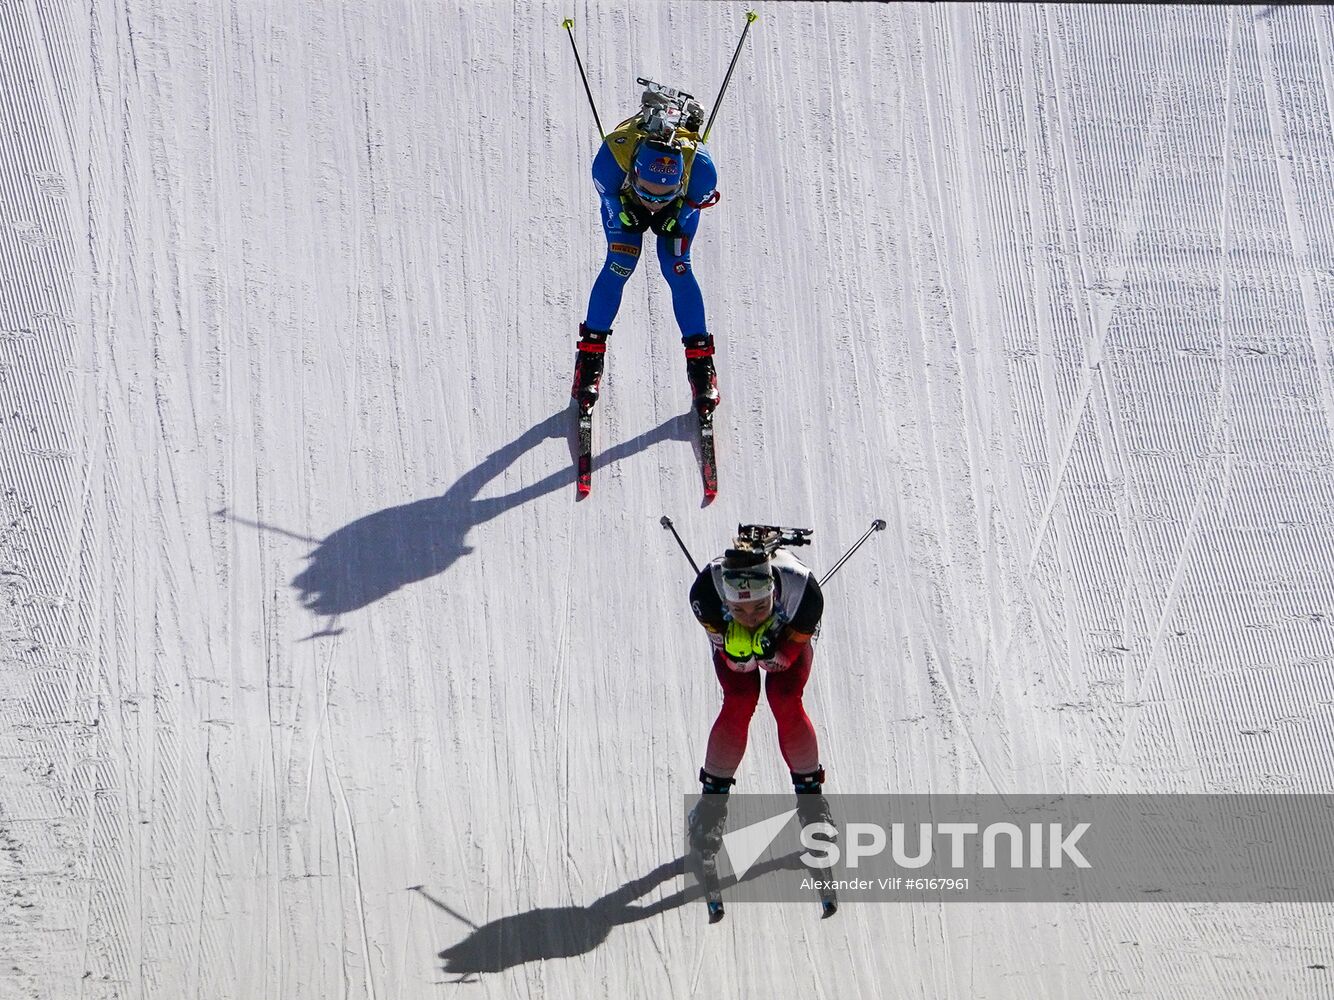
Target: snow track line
(320, 733)
(1041, 304)
(1069, 207)
(561, 696)
(1316, 329)
(1103, 312)
(49, 813)
(354, 857)
(968, 110)
(1218, 437)
(1062, 460)
(1320, 22)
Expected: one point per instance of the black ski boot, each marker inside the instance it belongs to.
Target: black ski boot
(588, 362)
(812, 806)
(709, 816)
(700, 371)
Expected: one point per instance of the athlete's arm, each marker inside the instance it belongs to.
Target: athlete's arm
(707, 603)
(608, 176)
(797, 633)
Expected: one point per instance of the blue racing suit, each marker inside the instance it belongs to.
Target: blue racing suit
(623, 247)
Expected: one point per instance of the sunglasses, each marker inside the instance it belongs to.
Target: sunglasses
(656, 199)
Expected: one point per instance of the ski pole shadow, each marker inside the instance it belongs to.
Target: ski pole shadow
(375, 555)
(569, 931)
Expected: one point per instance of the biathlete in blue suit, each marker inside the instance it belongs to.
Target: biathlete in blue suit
(650, 184)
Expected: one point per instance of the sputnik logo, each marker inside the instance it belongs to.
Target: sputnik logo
(745, 846)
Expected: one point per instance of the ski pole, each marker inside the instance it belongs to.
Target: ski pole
(751, 18)
(876, 525)
(568, 25)
(666, 522)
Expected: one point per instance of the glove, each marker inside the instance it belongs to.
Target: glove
(782, 653)
(742, 666)
(745, 649)
(668, 220)
(737, 645)
(764, 639)
(634, 217)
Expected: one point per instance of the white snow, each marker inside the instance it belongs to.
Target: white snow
(312, 666)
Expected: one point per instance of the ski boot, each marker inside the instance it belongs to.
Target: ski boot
(709, 816)
(588, 361)
(700, 371)
(812, 806)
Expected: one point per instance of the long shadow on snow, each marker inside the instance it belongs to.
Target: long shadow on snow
(567, 931)
(377, 554)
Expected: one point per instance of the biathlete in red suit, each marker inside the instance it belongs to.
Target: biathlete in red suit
(762, 615)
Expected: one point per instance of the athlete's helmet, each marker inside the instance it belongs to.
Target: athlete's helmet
(747, 575)
(657, 171)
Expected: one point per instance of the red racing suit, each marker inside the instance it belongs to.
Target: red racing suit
(798, 607)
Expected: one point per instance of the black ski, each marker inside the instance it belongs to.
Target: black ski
(584, 455)
(708, 462)
(812, 809)
(828, 894)
(828, 902)
(713, 889)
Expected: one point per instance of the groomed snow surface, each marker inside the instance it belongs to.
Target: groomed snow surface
(318, 683)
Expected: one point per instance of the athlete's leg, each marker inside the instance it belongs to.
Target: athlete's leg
(687, 300)
(796, 735)
(727, 740)
(623, 249)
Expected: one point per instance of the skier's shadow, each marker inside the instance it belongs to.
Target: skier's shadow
(377, 554)
(567, 931)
